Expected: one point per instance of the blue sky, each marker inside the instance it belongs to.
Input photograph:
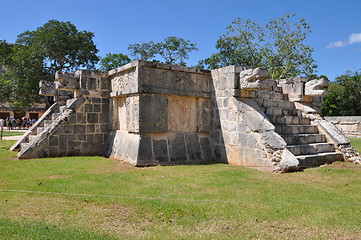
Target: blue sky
(335, 25)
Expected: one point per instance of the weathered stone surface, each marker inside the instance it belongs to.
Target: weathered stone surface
(151, 113)
(47, 88)
(289, 162)
(316, 87)
(177, 148)
(66, 81)
(337, 136)
(182, 114)
(160, 149)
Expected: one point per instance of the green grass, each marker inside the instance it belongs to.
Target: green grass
(99, 198)
(356, 143)
(10, 133)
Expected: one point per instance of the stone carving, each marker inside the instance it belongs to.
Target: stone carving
(316, 87)
(47, 88)
(257, 78)
(66, 81)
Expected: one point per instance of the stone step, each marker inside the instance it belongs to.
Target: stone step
(289, 120)
(55, 116)
(278, 111)
(304, 138)
(275, 103)
(309, 149)
(296, 129)
(32, 137)
(270, 95)
(39, 130)
(62, 109)
(34, 131)
(47, 123)
(23, 145)
(315, 160)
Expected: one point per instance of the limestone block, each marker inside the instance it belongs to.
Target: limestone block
(332, 132)
(153, 113)
(203, 82)
(177, 148)
(119, 113)
(294, 87)
(316, 87)
(204, 115)
(92, 117)
(125, 82)
(271, 139)
(47, 88)
(217, 137)
(231, 81)
(79, 129)
(193, 148)
(252, 79)
(288, 162)
(182, 114)
(160, 149)
(132, 113)
(53, 140)
(145, 154)
(207, 151)
(66, 81)
(81, 117)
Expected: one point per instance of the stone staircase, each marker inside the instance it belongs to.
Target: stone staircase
(303, 139)
(36, 128)
(43, 122)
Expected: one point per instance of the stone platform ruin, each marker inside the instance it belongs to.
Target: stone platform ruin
(150, 113)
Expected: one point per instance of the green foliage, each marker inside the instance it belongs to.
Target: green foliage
(173, 50)
(38, 54)
(62, 45)
(344, 96)
(144, 51)
(20, 82)
(279, 46)
(115, 60)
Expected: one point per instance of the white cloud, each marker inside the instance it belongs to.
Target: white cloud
(353, 38)
(336, 44)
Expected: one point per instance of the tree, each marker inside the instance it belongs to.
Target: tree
(279, 46)
(38, 54)
(144, 51)
(115, 60)
(344, 96)
(21, 81)
(173, 50)
(62, 45)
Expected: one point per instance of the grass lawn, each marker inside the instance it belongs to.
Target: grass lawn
(356, 143)
(99, 198)
(11, 133)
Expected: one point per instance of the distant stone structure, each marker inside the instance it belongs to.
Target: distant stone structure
(33, 112)
(349, 125)
(151, 113)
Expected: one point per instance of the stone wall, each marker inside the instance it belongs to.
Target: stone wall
(149, 113)
(349, 125)
(81, 127)
(161, 114)
(242, 135)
